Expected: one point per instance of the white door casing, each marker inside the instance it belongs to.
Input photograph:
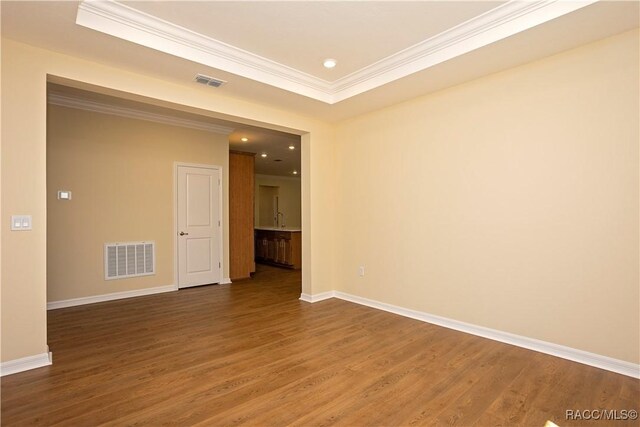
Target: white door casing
(199, 228)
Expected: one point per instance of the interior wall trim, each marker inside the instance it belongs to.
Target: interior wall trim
(119, 20)
(132, 113)
(494, 25)
(26, 363)
(317, 297)
(278, 177)
(109, 297)
(512, 17)
(564, 352)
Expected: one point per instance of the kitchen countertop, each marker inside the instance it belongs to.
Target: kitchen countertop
(292, 230)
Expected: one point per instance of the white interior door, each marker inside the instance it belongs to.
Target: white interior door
(199, 227)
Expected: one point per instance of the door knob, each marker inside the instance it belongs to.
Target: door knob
(182, 233)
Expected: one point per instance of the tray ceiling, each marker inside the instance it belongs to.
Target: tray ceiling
(252, 40)
(300, 34)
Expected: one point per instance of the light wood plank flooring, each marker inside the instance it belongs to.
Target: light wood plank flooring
(251, 353)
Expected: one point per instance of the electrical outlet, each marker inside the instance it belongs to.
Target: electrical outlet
(361, 271)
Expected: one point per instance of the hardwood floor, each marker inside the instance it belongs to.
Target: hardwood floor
(252, 353)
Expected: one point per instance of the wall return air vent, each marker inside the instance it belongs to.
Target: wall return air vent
(209, 81)
(132, 259)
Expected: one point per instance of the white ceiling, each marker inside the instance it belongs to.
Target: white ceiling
(387, 51)
(447, 32)
(52, 25)
(288, 39)
(280, 159)
(302, 34)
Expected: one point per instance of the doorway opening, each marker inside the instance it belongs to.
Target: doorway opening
(272, 161)
(109, 181)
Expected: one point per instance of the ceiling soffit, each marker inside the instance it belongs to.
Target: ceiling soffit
(510, 18)
(134, 113)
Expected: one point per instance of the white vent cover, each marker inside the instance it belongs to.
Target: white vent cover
(132, 259)
(209, 81)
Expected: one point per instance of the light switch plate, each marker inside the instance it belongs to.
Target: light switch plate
(21, 222)
(64, 195)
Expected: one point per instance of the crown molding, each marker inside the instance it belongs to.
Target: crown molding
(124, 22)
(510, 18)
(496, 24)
(116, 110)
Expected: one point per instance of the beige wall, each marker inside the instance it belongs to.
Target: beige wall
(23, 316)
(509, 202)
(120, 172)
(288, 199)
(25, 71)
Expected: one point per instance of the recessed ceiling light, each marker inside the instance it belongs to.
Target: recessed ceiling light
(295, 172)
(292, 147)
(329, 63)
(244, 139)
(263, 155)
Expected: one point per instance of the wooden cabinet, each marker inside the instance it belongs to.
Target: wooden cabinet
(241, 212)
(279, 247)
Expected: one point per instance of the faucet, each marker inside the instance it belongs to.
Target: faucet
(278, 217)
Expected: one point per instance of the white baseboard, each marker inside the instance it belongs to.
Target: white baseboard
(110, 297)
(225, 281)
(317, 297)
(26, 363)
(580, 356)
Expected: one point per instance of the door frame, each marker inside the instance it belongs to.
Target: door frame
(176, 272)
